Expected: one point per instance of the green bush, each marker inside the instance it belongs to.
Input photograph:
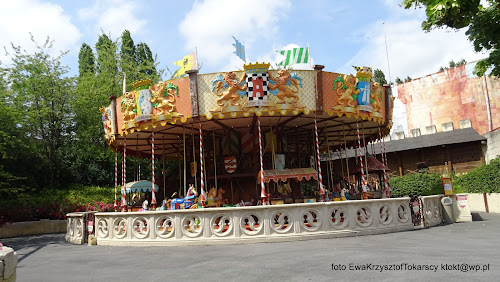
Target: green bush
(416, 184)
(25, 204)
(485, 178)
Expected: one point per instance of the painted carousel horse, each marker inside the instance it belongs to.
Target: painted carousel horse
(188, 200)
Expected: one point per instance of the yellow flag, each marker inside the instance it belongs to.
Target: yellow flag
(187, 63)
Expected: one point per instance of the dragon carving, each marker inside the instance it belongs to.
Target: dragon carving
(231, 93)
(346, 98)
(165, 102)
(283, 89)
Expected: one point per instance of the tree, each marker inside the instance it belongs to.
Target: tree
(86, 60)
(379, 77)
(145, 60)
(398, 80)
(481, 23)
(452, 64)
(408, 79)
(127, 56)
(41, 93)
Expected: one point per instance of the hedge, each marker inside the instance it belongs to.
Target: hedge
(485, 178)
(422, 184)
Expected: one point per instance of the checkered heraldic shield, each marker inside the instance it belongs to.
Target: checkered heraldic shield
(257, 86)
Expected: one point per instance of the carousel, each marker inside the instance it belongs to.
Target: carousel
(246, 146)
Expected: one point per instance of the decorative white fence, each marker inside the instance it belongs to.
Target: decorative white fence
(246, 224)
(76, 227)
(432, 212)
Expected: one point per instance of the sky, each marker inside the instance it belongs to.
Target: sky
(376, 33)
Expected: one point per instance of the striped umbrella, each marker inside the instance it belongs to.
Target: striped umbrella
(321, 189)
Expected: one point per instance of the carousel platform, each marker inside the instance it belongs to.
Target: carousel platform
(271, 223)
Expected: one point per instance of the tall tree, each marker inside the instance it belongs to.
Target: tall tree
(146, 61)
(86, 60)
(127, 57)
(379, 77)
(41, 91)
(482, 23)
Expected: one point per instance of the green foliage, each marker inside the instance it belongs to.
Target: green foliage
(408, 79)
(416, 184)
(452, 64)
(86, 61)
(379, 77)
(40, 96)
(398, 80)
(28, 204)
(481, 23)
(485, 178)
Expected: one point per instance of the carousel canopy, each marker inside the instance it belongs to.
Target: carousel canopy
(140, 186)
(227, 106)
(285, 174)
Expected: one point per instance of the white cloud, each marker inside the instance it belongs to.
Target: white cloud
(114, 17)
(19, 18)
(211, 23)
(411, 51)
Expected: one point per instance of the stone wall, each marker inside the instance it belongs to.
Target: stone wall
(476, 202)
(8, 264)
(493, 148)
(44, 226)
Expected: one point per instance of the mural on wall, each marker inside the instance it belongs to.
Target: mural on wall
(257, 90)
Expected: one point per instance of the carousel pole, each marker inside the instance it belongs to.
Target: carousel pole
(124, 192)
(116, 180)
(194, 160)
(321, 189)
(366, 150)
(153, 193)
(386, 174)
(163, 167)
(184, 152)
(363, 180)
(329, 169)
(215, 162)
(262, 186)
(386, 184)
(346, 158)
(202, 177)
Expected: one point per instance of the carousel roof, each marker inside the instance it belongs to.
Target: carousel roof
(289, 104)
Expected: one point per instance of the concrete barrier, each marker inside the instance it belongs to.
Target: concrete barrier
(44, 226)
(477, 203)
(8, 264)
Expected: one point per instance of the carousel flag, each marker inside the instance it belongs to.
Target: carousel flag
(189, 62)
(230, 164)
(240, 49)
(294, 56)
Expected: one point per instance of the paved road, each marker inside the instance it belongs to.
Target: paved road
(50, 258)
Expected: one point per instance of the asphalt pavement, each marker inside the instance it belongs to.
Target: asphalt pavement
(464, 251)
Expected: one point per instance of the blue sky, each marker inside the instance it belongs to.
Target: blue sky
(339, 33)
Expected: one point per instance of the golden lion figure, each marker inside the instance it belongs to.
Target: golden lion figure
(284, 90)
(231, 92)
(346, 98)
(375, 95)
(128, 106)
(164, 103)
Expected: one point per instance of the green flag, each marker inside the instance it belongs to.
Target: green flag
(294, 56)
